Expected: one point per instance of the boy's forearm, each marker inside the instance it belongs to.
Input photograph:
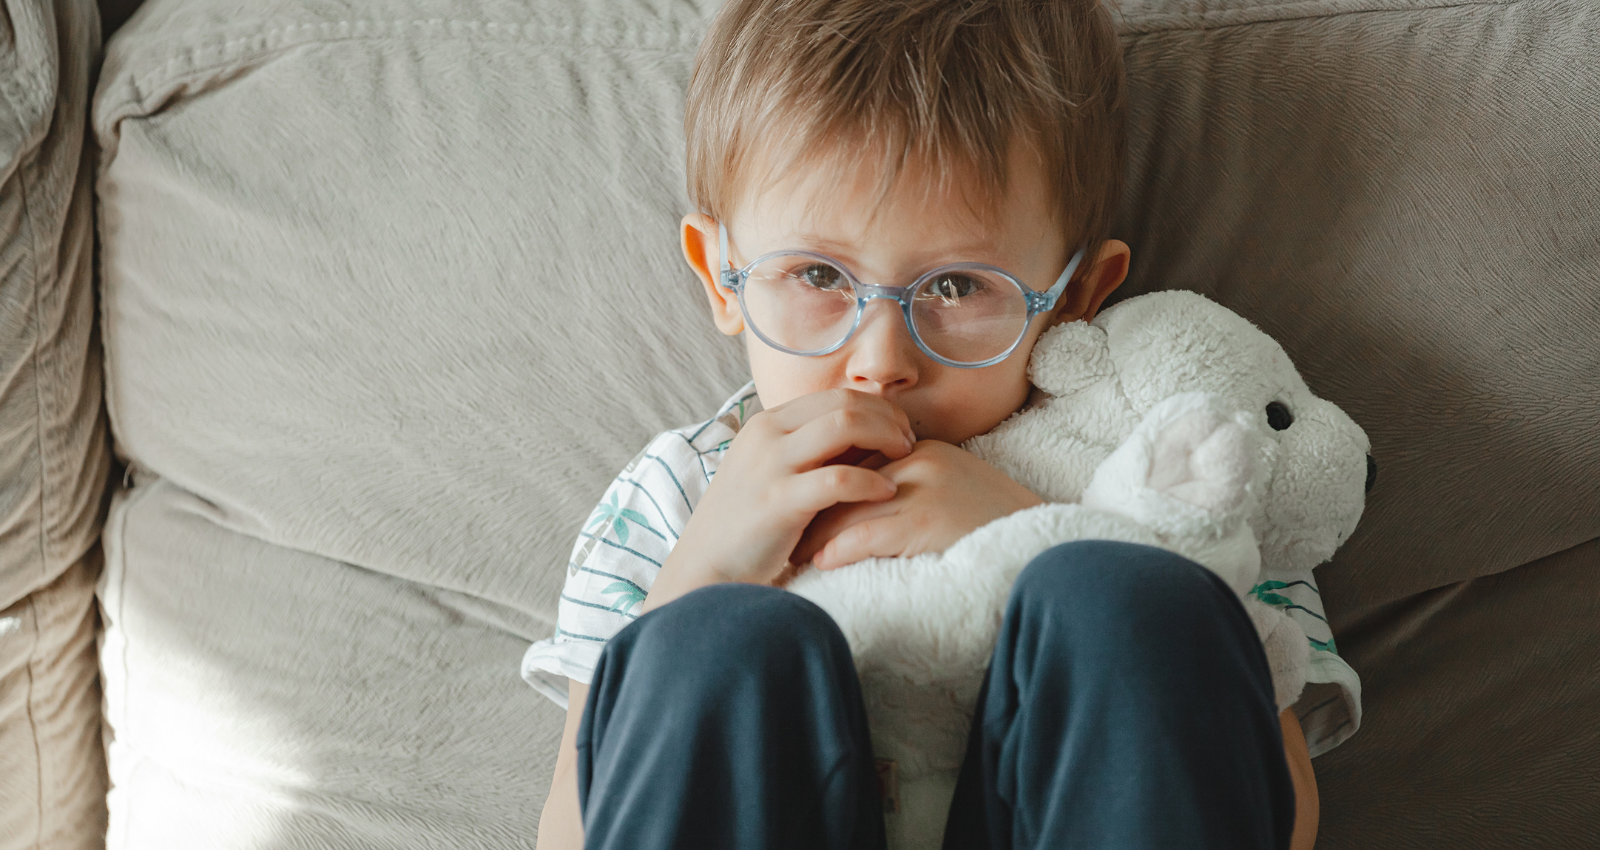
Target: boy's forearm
(679, 576)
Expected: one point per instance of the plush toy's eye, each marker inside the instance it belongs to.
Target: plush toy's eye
(1278, 416)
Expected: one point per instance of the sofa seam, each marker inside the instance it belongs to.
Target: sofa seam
(25, 198)
(1230, 18)
(33, 725)
(35, 303)
(457, 27)
(146, 81)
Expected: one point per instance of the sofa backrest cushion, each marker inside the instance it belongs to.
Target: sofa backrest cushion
(399, 285)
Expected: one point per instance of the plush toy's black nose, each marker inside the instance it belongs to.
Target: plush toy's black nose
(1372, 473)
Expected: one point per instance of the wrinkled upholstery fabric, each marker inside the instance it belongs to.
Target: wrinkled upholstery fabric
(1403, 195)
(54, 457)
(391, 290)
(280, 699)
(1480, 729)
(53, 454)
(389, 295)
(52, 764)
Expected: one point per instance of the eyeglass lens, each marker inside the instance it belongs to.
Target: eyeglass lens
(804, 304)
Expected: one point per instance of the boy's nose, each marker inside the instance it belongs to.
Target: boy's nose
(882, 355)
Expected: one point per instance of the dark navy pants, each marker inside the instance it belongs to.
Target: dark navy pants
(1128, 705)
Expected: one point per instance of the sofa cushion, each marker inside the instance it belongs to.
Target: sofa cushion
(1403, 194)
(52, 762)
(263, 697)
(1481, 732)
(54, 455)
(401, 287)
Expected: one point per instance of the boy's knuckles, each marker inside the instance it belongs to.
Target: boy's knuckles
(838, 478)
(760, 425)
(870, 538)
(842, 397)
(921, 463)
(849, 418)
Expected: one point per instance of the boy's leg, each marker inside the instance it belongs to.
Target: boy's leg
(728, 718)
(1128, 705)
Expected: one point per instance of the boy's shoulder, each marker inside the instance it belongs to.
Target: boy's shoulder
(697, 446)
(714, 434)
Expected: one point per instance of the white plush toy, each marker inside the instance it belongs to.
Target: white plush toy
(1169, 420)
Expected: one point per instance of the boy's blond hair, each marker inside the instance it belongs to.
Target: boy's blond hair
(953, 84)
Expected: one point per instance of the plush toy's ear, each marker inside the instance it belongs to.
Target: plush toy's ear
(1069, 358)
(1077, 416)
(1073, 364)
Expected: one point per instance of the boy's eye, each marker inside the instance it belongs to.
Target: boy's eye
(951, 288)
(822, 276)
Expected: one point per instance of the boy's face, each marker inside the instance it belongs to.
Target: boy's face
(912, 232)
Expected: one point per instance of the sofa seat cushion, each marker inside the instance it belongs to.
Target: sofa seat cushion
(263, 697)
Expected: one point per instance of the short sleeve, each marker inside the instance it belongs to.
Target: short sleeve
(618, 553)
(1329, 708)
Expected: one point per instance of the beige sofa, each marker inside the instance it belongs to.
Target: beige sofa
(389, 290)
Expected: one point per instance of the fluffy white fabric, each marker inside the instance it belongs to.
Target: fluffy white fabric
(1150, 426)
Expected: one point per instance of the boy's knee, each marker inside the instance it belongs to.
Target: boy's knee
(1102, 582)
(748, 623)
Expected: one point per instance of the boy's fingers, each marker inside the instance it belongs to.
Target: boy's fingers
(794, 414)
(831, 521)
(835, 432)
(884, 537)
(810, 492)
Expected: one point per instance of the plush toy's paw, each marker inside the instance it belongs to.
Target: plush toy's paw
(1203, 458)
(1186, 469)
(1187, 472)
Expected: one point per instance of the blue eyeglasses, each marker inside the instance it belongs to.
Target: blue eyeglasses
(966, 315)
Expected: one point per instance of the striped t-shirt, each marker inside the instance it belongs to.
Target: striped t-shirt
(626, 539)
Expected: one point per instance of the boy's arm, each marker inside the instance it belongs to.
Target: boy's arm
(772, 482)
(1306, 804)
(561, 823)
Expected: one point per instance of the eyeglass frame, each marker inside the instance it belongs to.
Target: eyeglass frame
(1038, 302)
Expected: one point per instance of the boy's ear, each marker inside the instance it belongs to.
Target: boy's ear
(1089, 290)
(702, 251)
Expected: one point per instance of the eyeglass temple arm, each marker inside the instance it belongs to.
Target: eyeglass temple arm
(1053, 294)
(727, 264)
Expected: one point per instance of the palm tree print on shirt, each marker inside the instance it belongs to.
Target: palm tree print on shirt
(631, 595)
(1264, 592)
(618, 517)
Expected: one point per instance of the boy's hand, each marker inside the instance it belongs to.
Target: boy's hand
(774, 479)
(944, 492)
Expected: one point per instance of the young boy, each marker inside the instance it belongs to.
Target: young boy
(898, 197)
